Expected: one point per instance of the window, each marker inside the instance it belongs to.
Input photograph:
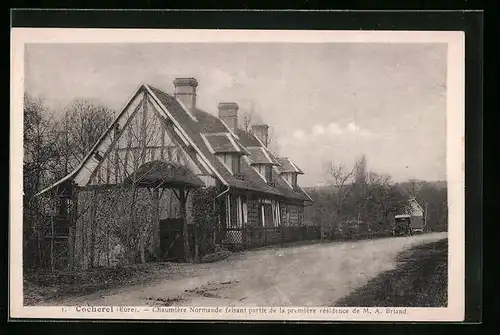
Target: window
(225, 159)
(236, 168)
(294, 180)
(245, 211)
(276, 214)
(232, 162)
(287, 220)
(233, 211)
(240, 211)
(269, 173)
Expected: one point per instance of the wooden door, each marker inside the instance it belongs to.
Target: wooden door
(171, 239)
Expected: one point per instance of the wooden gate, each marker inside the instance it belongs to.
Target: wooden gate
(171, 239)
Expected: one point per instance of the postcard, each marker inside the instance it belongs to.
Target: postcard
(237, 175)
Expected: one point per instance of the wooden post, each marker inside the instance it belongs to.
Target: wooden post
(52, 243)
(155, 217)
(182, 200)
(93, 227)
(73, 225)
(108, 245)
(196, 231)
(425, 218)
(143, 129)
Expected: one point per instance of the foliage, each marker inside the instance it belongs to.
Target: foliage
(366, 201)
(205, 217)
(204, 211)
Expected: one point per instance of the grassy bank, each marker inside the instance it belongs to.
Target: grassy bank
(420, 280)
(41, 286)
(46, 286)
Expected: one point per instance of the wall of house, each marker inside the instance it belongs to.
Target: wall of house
(290, 214)
(417, 212)
(417, 222)
(253, 213)
(294, 216)
(301, 215)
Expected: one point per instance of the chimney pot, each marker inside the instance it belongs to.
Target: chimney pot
(262, 133)
(228, 112)
(185, 91)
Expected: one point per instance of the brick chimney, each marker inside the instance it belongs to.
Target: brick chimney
(261, 131)
(185, 91)
(228, 112)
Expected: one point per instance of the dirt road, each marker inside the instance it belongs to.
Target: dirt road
(308, 275)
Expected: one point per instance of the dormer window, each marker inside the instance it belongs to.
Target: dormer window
(266, 171)
(263, 162)
(291, 178)
(232, 161)
(227, 150)
(289, 171)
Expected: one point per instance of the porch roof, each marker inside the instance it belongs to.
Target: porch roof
(164, 175)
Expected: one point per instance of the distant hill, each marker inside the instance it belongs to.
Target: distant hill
(439, 184)
(322, 188)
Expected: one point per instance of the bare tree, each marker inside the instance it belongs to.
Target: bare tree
(250, 117)
(273, 143)
(360, 170)
(39, 145)
(81, 127)
(340, 175)
(247, 119)
(386, 197)
(40, 157)
(340, 178)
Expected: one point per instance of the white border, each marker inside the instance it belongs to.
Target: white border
(455, 157)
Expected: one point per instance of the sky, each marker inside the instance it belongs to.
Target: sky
(325, 102)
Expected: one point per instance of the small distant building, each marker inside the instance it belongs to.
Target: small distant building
(417, 215)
